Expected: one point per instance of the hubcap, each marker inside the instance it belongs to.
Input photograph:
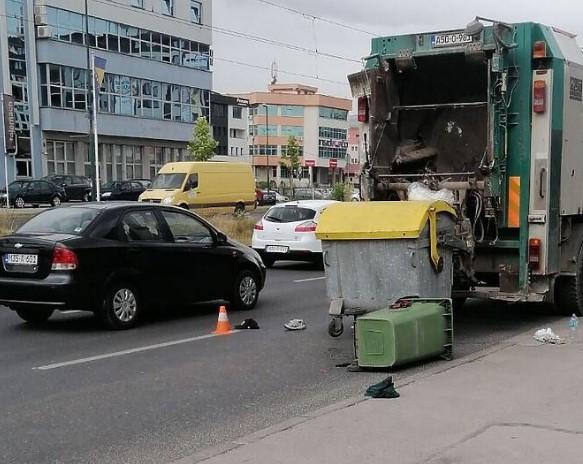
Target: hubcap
(19, 202)
(125, 305)
(248, 290)
(56, 201)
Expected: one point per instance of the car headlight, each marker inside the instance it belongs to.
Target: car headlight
(168, 200)
(106, 194)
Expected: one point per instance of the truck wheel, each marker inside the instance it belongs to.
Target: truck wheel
(569, 291)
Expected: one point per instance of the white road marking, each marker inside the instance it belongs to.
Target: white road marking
(116, 354)
(309, 280)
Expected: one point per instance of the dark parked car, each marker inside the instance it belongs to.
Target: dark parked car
(265, 198)
(123, 190)
(76, 187)
(34, 192)
(118, 259)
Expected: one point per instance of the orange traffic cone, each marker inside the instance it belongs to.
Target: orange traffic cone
(223, 324)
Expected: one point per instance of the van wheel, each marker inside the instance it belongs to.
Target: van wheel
(239, 209)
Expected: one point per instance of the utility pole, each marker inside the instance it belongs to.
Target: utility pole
(267, 144)
(90, 102)
(5, 150)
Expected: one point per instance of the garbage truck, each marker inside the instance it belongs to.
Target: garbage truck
(492, 116)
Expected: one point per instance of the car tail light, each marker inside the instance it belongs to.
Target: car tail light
(534, 252)
(540, 49)
(259, 225)
(308, 226)
(539, 101)
(363, 109)
(64, 259)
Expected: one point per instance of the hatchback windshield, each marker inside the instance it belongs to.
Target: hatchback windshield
(289, 214)
(61, 220)
(168, 181)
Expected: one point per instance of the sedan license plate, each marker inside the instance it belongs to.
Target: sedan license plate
(17, 259)
(453, 39)
(276, 249)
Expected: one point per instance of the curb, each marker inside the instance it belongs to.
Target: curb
(440, 368)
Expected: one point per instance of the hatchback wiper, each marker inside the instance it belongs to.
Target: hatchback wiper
(273, 219)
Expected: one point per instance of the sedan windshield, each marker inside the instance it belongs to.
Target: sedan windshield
(168, 181)
(289, 214)
(60, 221)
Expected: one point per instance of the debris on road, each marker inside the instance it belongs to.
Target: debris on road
(295, 324)
(384, 389)
(548, 336)
(247, 324)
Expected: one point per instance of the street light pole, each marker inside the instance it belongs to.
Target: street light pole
(90, 103)
(267, 145)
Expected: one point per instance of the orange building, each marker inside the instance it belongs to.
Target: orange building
(318, 122)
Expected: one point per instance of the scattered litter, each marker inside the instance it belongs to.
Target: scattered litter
(384, 389)
(345, 364)
(295, 324)
(548, 336)
(418, 191)
(247, 324)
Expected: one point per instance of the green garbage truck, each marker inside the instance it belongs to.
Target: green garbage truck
(491, 118)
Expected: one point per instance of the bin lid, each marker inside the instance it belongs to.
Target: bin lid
(377, 220)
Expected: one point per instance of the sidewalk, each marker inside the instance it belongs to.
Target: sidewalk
(516, 403)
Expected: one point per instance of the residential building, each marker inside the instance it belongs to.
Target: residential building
(229, 117)
(157, 82)
(318, 122)
(355, 158)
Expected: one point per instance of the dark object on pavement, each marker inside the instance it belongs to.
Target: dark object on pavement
(295, 324)
(248, 324)
(384, 389)
(120, 259)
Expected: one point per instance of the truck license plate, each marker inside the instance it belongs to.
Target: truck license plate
(276, 249)
(21, 259)
(452, 39)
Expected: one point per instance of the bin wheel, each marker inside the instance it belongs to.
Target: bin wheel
(335, 327)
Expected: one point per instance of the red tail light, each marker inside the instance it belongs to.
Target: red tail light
(539, 100)
(534, 252)
(539, 50)
(259, 225)
(308, 226)
(362, 109)
(64, 259)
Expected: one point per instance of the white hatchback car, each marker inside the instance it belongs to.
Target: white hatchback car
(287, 232)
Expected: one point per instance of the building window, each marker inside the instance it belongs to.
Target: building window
(156, 161)
(292, 111)
(237, 112)
(137, 3)
(292, 131)
(133, 162)
(60, 157)
(332, 133)
(267, 110)
(270, 150)
(333, 113)
(167, 7)
(196, 12)
(332, 152)
(269, 130)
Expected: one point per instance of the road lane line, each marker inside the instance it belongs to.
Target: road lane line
(301, 281)
(117, 354)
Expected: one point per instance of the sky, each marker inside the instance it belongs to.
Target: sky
(372, 17)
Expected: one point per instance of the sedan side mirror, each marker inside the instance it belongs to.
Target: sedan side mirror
(221, 238)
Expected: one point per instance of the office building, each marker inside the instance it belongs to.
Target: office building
(229, 122)
(157, 82)
(318, 122)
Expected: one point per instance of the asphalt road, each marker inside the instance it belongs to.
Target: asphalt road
(167, 402)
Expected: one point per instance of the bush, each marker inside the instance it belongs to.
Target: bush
(340, 192)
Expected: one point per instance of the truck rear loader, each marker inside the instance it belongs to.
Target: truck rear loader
(494, 114)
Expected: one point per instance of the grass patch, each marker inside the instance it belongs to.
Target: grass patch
(238, 228)
(7, 222)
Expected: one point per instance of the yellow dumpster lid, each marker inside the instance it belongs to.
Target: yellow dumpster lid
(377, 220)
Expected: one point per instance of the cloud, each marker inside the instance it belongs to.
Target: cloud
(380, 17)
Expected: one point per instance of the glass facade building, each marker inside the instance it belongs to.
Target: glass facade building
(157, 83)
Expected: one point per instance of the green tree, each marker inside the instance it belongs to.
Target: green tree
(291, 159)
(202, 146)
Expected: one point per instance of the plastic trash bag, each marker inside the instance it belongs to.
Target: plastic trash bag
(548, 336)
(420, 192)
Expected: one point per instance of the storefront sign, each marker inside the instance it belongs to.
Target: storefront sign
(332, 143)
(9, 124)
(333, 163)
(310, 163)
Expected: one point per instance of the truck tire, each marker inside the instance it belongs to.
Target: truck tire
(569, 291)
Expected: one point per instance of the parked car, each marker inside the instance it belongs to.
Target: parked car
(288, 232)
(122, 190)
(76, 187)
(35, 193)
(265, 197)
(203, 184)
(118, 259)
(279, 198)
(309, 194)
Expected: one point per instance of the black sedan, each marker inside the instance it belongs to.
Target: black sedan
(123, 190)
(34, 192)
(76, 187)
(119, 259)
